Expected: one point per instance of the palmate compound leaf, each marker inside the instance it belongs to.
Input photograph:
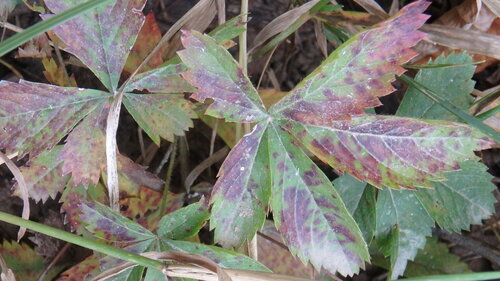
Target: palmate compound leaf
(34, 117)
(328, 105)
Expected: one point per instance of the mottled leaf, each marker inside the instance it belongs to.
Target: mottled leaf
(149, 36)
(35, 117)
(453, 84)
(308, 211)
(277, 257)
(84, 270)
(25, 262)
(241, 194)
(222, 257)
(147, 200)
(84, 153)
(214, 72)
(402, 225)
(103, 38)
(160, 115)
(392, 151)
(43, 176)
(185, 222)
(164, 79)
(106, 224)
(357, 72)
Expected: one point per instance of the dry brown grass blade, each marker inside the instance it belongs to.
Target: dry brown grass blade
(7, 273)
(198, 18)
(493, 5)
(23, 188)
(320, 37)
(281, 23)
(470, 15)
(457, 38)
(394, 7)
(221, 11)
(372, 7)
(205, 164)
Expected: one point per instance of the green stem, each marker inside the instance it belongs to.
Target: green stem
(81, 241)
(41, 27)
(494, 275)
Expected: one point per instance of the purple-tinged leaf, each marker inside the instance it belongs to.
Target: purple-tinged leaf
(309, 212)
(164, 79)
(102, 38)
(392, 151)
(43, 176)
(217, 75)
(161, 115)
(356, 73)
(34, 117)
(84, 153)
(241, 194)
(402, 226)
(106, 224)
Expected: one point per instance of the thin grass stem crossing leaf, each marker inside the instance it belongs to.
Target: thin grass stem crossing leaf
(215, 73)
(241, 194)
(34, 117)
(357, 72)
(309, 212)
(392, 151)
(160, 115)
(84, 153)
(102, 38)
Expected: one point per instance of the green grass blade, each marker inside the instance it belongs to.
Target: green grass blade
(81, 241)
(493, 275)
(487, 114)
(467, 118)
(41, 27)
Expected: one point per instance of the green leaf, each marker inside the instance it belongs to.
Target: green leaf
(214, 72)
(106, 224)
(228, 30)
(43, 176)
(242, 191)
(351, 190)
(185, 222)
(465, 196)
(160, 115)
(34, 117)
(356, 73)
(222, 257)
(435, 259)
(453, 83)
(402, 225)
(103, 38)
(17, 40)
(308, 211)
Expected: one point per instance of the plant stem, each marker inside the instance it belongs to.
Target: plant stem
(81, 241)
(494, 275)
